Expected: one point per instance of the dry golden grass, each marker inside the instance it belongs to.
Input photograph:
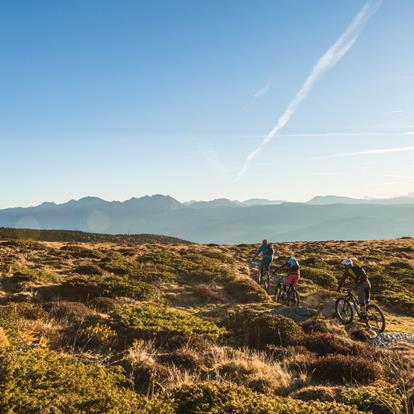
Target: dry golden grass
(208, 283)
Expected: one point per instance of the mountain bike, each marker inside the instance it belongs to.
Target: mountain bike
(286, 295)
(344, 308)
(264, 279)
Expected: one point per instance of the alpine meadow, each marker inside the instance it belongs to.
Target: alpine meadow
(207, 207)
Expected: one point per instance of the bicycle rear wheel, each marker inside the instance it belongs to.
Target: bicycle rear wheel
(265, 281)
(293, 298)
(375, 319)
(344, 310)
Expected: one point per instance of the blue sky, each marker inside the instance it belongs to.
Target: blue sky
(125, 98)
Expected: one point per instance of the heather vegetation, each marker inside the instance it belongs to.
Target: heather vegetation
(142, 326)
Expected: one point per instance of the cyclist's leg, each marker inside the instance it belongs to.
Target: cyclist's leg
(264, 264)
(292, 279)
(364, 295)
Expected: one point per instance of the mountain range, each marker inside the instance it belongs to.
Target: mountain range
(225, 221)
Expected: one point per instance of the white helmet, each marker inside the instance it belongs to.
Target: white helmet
(347, 262)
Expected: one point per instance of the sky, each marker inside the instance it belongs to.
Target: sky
(120, 99)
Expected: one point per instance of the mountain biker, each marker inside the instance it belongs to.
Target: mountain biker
(267, 252)
(362, 284)
(292, 268)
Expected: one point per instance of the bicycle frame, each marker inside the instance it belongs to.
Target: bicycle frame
(351, 298)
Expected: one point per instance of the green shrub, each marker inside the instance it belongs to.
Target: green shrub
(315, 262)
(219, 398)
(321, 277)
(88, 269)
(315, 325)
(393, 266)
(148, 321)
(245, 291)
(366, 398)
(84, 287)
(117, 265)
(327, 343)
(258, 330)
(345, 369)
(187, 266)
(35, 380)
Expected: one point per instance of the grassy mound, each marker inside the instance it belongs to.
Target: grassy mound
(35, 380)
(218, 398)
(84, 287)
(321, 277)
(258, 330)
(148, 321)
(376, 399)
(345, 369)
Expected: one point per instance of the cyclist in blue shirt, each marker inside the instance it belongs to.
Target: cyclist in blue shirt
(267, 252)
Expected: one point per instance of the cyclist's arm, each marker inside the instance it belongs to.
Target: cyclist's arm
(283, 267)
(258, 251)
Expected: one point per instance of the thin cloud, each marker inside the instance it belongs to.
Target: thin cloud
(327, 61)
(394, 112)
(263, 91)
(380, 151)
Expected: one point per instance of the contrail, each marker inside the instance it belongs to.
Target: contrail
(327, 61)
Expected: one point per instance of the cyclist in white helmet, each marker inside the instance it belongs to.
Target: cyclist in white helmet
(362, 284)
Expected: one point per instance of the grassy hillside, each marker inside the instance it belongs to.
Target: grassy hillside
(140, 326)
(82, 237)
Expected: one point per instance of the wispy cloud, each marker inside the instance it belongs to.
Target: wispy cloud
(263, 91)
(327, 61)
(394, 112)
(379, 151)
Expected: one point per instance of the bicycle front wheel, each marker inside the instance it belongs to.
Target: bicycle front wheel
(375, 319)
(278, 292)
(344, 311)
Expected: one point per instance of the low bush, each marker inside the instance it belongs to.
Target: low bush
(376, 399)
(72, 312)
(88, 269)
(84, 287)
(321, 277)
(316, 325)
(245, 290)
(345, 369)
(327, 343)
(117, 265)
(148, 321)
(315, 262)
(35, 380)
(281, 353)
(219, 398)
(258, 330)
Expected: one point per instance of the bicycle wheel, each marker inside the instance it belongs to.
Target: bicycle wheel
(293, 298)
(375, 319)
(266, 282)
(344, 310)
(278, 292)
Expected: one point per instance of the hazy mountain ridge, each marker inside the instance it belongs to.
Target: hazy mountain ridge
(220, 221)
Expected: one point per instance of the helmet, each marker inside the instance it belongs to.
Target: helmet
(264, 241)
(347, 262)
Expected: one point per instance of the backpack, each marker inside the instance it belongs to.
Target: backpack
(293, 264)
(360, 273)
